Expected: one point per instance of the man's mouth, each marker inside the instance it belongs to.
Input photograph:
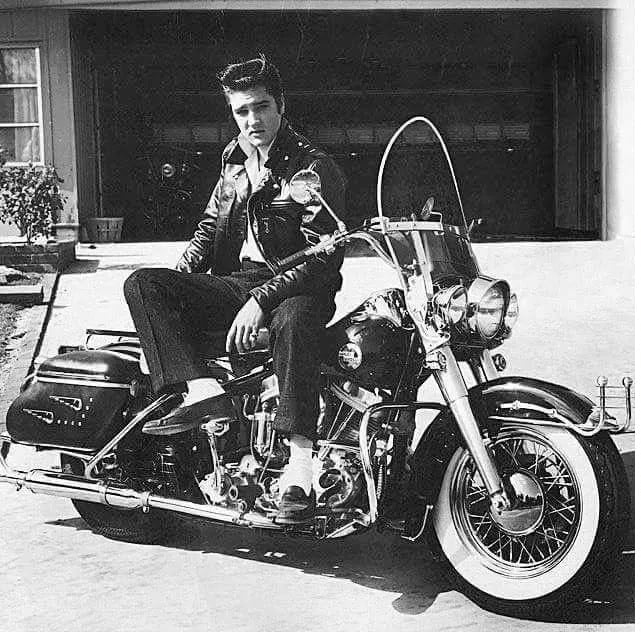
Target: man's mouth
(256, 132)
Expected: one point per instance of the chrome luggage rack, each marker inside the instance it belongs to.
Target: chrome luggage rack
(612, 397)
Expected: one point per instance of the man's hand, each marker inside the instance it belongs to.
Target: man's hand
(243, 331)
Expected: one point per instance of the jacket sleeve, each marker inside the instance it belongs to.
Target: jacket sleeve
(319, 274)
(197, 256)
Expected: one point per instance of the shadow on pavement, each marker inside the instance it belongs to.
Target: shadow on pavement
(90, 266)
(82, 266)
(382, 562)
(372, 560)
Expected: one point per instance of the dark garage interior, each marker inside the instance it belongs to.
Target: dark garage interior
(515, 93)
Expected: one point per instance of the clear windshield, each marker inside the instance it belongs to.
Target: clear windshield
(419, 200)
(417, 177)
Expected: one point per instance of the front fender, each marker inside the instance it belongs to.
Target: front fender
(492, 396)
(442, 438)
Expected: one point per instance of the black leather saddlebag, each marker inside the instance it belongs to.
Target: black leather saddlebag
(76, 400)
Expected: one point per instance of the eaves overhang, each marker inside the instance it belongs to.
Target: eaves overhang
(327, 5)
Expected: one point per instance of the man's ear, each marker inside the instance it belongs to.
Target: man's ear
(281, 110)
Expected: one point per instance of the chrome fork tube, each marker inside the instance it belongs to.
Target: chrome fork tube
(487, 366)
(454, 391)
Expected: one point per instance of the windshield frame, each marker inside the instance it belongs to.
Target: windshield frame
(443, 146)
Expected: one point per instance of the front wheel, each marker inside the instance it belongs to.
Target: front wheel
(569, 519)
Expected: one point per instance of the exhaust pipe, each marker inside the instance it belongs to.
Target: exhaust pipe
(78, 488)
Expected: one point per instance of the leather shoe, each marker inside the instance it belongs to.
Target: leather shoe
(185, 418)
(295, 506)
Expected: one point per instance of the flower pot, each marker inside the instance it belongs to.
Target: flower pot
(66, 231)
(104, 229)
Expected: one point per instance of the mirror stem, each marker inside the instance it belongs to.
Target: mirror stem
(341, 225)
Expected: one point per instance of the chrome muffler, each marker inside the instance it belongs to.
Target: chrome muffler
(78, 488)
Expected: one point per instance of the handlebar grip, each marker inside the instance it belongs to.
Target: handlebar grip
(293, 260)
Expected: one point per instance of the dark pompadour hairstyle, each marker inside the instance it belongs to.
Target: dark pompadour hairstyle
(251, 73)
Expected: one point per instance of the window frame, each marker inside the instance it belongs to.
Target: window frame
(38, 85)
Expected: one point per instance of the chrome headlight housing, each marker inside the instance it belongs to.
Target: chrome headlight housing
(450, 306)
(488, 301)
(512, 312)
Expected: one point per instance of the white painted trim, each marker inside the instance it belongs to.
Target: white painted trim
(316, 5)
(38, 85)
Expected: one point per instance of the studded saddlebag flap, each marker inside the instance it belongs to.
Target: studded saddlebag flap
(76, 400)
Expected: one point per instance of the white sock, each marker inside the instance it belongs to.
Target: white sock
(298, 470)
(201, 388)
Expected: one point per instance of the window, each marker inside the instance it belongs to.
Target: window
(20, 105)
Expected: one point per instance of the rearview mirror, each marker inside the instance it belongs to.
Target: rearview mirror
(305, 186)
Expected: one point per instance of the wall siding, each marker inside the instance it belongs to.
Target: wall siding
(49, 29)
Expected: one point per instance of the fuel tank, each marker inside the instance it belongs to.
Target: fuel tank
(369, 346)
(75, 400)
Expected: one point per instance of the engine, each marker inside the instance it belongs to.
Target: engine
(251, 481)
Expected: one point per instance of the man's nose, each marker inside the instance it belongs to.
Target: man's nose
(253, 118)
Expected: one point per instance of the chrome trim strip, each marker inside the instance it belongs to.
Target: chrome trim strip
(435, 227)
(81, 453)
(82, 382)
(588, 428)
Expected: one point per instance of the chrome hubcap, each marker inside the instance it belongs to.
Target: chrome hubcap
(527, 510)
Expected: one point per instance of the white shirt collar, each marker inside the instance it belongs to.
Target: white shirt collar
(249, 149)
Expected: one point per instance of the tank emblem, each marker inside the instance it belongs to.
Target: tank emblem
(40, 415)
(75, 403)
(350, 356)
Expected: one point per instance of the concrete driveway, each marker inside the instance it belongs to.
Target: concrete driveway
(576, 322)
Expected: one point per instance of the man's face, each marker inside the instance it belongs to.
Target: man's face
(256, 114)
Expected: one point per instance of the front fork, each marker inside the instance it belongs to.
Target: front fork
(455, 392)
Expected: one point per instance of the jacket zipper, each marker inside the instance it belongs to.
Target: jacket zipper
(250, 220)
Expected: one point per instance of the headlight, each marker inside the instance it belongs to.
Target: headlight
(450, 305)
(512, 312)
(488, 301)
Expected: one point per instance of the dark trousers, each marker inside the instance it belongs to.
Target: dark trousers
(174, 311)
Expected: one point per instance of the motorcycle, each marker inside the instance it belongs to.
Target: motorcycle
(167, 190)
(515, 484)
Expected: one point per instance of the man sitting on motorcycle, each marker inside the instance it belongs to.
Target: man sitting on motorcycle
(249, 223)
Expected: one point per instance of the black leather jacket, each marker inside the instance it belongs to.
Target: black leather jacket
(217, 241)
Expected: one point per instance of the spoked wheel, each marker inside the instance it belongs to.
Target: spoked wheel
(569, 513)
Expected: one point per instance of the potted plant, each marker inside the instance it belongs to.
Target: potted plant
(29, 198)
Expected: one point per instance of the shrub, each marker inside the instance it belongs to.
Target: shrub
(29, 198)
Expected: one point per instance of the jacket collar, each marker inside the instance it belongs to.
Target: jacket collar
(283, 144)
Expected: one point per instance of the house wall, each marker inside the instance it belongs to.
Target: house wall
(618, 132)
(49, 29)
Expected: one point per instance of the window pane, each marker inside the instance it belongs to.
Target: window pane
(18, 65)
(18, 105)
(22, 144)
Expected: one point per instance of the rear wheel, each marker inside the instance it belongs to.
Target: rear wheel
(128, 525)
(570, 519)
